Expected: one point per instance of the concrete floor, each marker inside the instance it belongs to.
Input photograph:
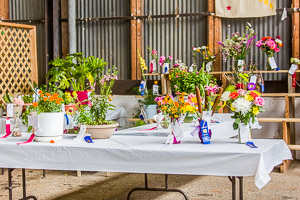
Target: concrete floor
(64, 185)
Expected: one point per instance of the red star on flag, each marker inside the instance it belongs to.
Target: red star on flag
(228, 7)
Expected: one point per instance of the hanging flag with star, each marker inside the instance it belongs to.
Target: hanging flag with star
(245, 8)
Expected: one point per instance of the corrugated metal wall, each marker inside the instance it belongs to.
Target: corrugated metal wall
(265, 26)
(105, 39)
(175, 37)
(32, 9)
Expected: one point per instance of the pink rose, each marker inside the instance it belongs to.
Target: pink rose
(241, 92)
(170, 57)
(270, 43)
(276, 49)
(162, 59)
(18, 101)
(258, 43)
(259, 101)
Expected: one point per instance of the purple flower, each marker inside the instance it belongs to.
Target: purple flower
(251, 86)
(220, 43)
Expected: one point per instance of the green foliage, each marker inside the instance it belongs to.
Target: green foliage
(7, 98)
(149, 98)
(183, 81)
(75, 70)
(27, 98)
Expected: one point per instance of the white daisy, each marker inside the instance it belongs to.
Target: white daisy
(225, 96)
(242, 105)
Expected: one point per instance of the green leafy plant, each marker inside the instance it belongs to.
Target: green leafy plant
(75, 70)
(95, 112)
(47, 103)
(27, 98)
(184, 81)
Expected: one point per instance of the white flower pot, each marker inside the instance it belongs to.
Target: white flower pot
(50, 127)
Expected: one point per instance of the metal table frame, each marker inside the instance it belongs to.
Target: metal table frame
(146, 188)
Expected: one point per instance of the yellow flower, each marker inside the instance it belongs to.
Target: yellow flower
(248, 97)
(232, 108)
(257, 93)
(175, 116)
(190, 109)
(181, 98)
(74, 93)
(255, 111)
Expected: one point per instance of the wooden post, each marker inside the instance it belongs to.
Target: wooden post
(136, 39)
(34, 67)
(4, 9)
(214, 34)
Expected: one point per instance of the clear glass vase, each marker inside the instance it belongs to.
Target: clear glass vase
(244, 133)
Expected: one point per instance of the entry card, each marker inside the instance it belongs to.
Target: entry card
(272, 63)
(293, 69)
(208, 66)
(9, 110)
(241, 63)
(81, 134)
(253, 79)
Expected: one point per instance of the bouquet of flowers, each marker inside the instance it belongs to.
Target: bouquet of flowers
(246, 105)
(208, 57)
(154, 57)
(165, 62)
(176, 111)
(295, 62)
(238, 46)
(270, 46)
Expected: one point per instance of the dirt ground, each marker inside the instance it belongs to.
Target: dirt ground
(65, 185)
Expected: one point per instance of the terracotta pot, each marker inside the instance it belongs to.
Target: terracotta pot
(101, 131)
(71, 107)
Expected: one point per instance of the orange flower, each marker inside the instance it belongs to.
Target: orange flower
(60, 99)
(48, 94)
(40, 92)
(45, 99)
(234, 95)
(42, 95)
(57, 102)
(35, 104)
(51, 99)
(265, 38)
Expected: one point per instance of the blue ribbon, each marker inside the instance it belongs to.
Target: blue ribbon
(67, 118)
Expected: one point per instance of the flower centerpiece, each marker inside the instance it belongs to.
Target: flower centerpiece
(295, 62)
(165, 63)
(94, 114)
(154, 57)
(183, 80)
(237, 46)
(246, 105)
(49, 115)
(176, 111)
(17, 102)
(270, 46)
(208, 57)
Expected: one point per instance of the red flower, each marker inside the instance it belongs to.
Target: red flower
(253, 94)
(278, 37)
(234, 95)
(240, 86)
(265, 38)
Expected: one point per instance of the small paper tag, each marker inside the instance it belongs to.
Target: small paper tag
(9, 110)
(241, 63)
(208, 66)
(81, 134)
(191, 69)
(253, 79)
(166, 67)
(272, 63)
(207, 117)
(155, 90)
(170, 139)
(293, 69)
(177, 131)
(251, 144)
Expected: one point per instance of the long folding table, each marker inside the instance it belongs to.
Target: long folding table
(136, 151)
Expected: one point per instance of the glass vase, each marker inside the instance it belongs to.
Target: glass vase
(244, 133)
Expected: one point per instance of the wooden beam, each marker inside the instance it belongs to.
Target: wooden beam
(133, 25)
(139, 31)
(4, 9)
(294, 120)
(296, 29)
(294, 147)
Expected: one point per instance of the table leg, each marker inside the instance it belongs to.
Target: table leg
(166, 189)
(44, 173)
(233, 187)
(241, 187)
(2, 171)
(10, 184)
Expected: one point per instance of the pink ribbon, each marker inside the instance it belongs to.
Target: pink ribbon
(7, 134)
(150, 129)
(151, 67)
(28, 141)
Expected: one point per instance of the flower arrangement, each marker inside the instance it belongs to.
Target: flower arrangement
(154, 57)
(237, 46)
(164, 59)
(47, 103)
(270, 46)
(174, 109)
(246, 104)
(208, 57)
(186, 81)
(295, 61)
(95, 112)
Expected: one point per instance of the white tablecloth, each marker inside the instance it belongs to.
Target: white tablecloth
(148, 154)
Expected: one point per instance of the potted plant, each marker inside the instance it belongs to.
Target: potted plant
(16, 101)
(93, 115)
(50, 117)
(75, 71)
